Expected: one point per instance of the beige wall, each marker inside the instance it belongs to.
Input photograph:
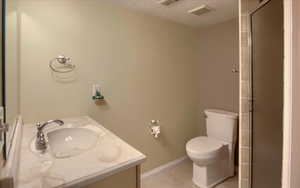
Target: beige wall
(147, 69)
(219, 53)
(295, 158)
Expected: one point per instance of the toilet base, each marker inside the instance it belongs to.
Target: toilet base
(212, 185)
(211, 175)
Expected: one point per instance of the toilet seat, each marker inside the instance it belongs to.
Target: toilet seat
(204, 150)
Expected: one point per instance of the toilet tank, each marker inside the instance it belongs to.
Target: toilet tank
(221, 125)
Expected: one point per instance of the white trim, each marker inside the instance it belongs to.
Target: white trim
(164, 167)
(288, 95)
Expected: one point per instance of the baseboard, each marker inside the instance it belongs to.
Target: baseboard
(164, 167)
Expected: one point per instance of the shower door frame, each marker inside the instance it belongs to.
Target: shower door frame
(288, 89)
(288, 92)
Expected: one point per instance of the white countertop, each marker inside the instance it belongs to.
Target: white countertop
(109, 156)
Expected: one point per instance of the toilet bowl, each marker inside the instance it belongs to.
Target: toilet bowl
(204, 150)
(213, 155)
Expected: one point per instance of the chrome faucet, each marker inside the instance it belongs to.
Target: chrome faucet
(40, 142)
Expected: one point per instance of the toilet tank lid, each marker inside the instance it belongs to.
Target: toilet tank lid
(223, 113)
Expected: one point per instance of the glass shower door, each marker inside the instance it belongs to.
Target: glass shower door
(267, 93)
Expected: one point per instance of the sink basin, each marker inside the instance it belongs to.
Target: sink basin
(68, 142)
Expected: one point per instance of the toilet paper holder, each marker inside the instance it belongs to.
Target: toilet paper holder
(154, 128)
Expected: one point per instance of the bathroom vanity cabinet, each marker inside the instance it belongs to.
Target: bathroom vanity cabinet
(129, 178)
(110, 163)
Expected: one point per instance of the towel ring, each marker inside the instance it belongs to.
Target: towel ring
(61, 64)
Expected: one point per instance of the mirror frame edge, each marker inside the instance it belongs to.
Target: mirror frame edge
(3, 51)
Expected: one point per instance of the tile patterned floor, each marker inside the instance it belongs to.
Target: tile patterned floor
(180, 177)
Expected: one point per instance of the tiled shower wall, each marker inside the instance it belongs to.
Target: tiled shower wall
(246, 6)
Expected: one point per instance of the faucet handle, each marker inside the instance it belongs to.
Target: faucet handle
(39, 125)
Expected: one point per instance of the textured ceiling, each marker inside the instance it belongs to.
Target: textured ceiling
(222, 10)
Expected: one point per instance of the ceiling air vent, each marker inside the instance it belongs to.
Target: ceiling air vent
(200, 10)
(167, 2)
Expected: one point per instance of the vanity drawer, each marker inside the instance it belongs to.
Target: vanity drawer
(129, 178)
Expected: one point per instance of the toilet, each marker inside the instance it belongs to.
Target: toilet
(213, 155)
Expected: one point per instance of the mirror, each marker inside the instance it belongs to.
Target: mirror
(2, 134)
(10, 77)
